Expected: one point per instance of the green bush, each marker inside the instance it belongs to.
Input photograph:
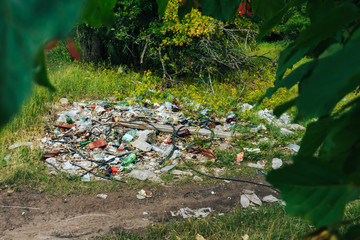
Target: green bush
(197, 45)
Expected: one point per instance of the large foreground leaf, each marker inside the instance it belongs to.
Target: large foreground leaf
(162, 4)
(98, 12)
(333, 20)
(219, 9)
(313, 190)
(25, 26)
(333, 78)
(266, 9)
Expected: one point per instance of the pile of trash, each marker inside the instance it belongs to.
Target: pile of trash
(115, 140)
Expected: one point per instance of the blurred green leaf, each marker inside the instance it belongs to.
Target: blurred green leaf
(313, 190)
(353, 233)
(185, 8)
(266, 9)
(333, 78)
(331, 22)
(162, 4)
(290, 80)
(276, 17)
(39, 71)
(25, 26)
(220, 9)
(314, 136)
(98, 12)
(288, 58)
(280, 109)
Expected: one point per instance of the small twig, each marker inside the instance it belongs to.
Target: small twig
(211, 85)
(143, 52)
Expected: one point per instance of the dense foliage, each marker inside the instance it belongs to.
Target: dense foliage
(170, 46)
(325, 175)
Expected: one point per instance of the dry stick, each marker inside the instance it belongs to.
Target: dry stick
(2, 206)
(211, 85)
(143, 52)
(168, 129)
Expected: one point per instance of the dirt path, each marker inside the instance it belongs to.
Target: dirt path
(86, 216)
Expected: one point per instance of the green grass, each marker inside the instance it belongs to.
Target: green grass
(79, 82)
(266, 222)
(24, 170)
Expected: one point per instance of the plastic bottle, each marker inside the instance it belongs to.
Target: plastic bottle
(129, 159)
(129, 136)
(69, 120)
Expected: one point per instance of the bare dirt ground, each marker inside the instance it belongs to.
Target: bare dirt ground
(87, 216)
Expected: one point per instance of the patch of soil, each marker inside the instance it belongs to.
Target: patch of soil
(86, 216)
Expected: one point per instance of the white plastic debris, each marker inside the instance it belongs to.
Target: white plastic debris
(294, 147)
(270, 199)
(86, 178)
(143, 175)
(179, 172)
(103, 196)
(187, 212)
(246, 107)
(259, 127)
(68, 166)
(253, 198)
(245, 237)
(256, 165)
(168, 105)
(147, 136)
(276, 163)
(142, 194)
(199, 237)
(244, 201)
(84, 164)
(100, 109)
(165, 169)
(64, 101)
(223, 146)
(52, 161)
(144, 146)
(285, 118)
(197, 178)
(252, 149)
(284, 131)
(296, 127)
(21, 144)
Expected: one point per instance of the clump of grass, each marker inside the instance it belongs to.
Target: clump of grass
(267, 222)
